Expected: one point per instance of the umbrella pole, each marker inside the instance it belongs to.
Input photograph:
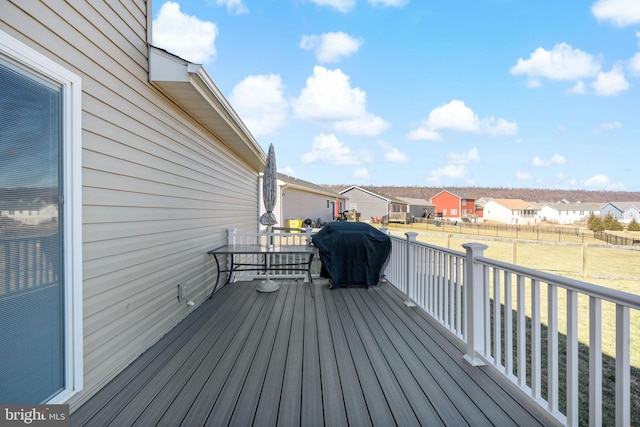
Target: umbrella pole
(267, 285)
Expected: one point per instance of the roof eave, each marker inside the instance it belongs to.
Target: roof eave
(191, 87)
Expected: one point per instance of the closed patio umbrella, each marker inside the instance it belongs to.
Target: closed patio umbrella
(269, 188)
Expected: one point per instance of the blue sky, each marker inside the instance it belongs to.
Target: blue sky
(498, 93)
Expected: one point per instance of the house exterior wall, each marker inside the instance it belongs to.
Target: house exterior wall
(494, 211)
(630, 214)
(610, 209)
(158, 189)
(453, 207)
(559, 214)
(367, 204)
(299, 204)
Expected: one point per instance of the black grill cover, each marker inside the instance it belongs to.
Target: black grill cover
(352, 253)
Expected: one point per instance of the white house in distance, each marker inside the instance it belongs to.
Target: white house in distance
(511, 211)
(298, 199)
(568, 213)
(622, 211)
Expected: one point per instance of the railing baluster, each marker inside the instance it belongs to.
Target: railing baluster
(623, 374)
(497, 307)
(536, 347)
(521, 335)
(458, 291)
(486, 299)
(552, 348)
(572, 358)
(595, 361)
(508, 325)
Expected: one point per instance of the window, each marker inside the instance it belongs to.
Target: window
(454, 211)
(39, 159)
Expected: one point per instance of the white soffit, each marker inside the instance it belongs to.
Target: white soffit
(194, 91)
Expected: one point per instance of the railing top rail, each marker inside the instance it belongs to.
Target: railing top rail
(605, 294)
(427, 245)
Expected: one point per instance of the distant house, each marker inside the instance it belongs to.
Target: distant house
(622, 211)
(150, 165)
(511, 211)
(300, 200)
(568, 213)
(374, 205)
(454, 207)
(419, 208)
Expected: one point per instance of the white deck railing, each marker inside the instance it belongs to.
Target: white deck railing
(470, 294)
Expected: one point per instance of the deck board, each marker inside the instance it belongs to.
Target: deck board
(348, 356)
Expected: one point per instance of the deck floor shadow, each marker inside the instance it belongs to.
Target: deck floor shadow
(344, 356)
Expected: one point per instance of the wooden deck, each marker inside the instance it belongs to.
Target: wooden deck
(349, 356)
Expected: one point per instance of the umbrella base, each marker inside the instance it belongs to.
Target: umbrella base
(267, 286)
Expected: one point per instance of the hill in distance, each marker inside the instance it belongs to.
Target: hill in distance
(539, 195)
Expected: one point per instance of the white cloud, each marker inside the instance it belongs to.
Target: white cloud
(611, 83)
(260, 102)
(456, 167)
(393, 154)
(619, 12)
(499, 127)
(471, 156)
(328, 97)
(233, 6)
(329, 149)
(579, 89)
(450, 171)
(343, 6)
(422, 133)
(456, 116)
(184, 35)
(556, 159)
(610, 125)
(523, 175)
(601, 181)
(634, 64)
(367, 125)
(361, 173)
(331, 47)
(388, 3)
(287, 170)
(560, 63)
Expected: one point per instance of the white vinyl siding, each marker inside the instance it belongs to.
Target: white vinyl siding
(159, 190)
(367, 204)
(302, 205)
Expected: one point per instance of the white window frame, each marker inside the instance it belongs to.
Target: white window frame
(71, 90)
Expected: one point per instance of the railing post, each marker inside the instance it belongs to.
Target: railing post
(474, 291)
(231, 235)
(411, 238)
